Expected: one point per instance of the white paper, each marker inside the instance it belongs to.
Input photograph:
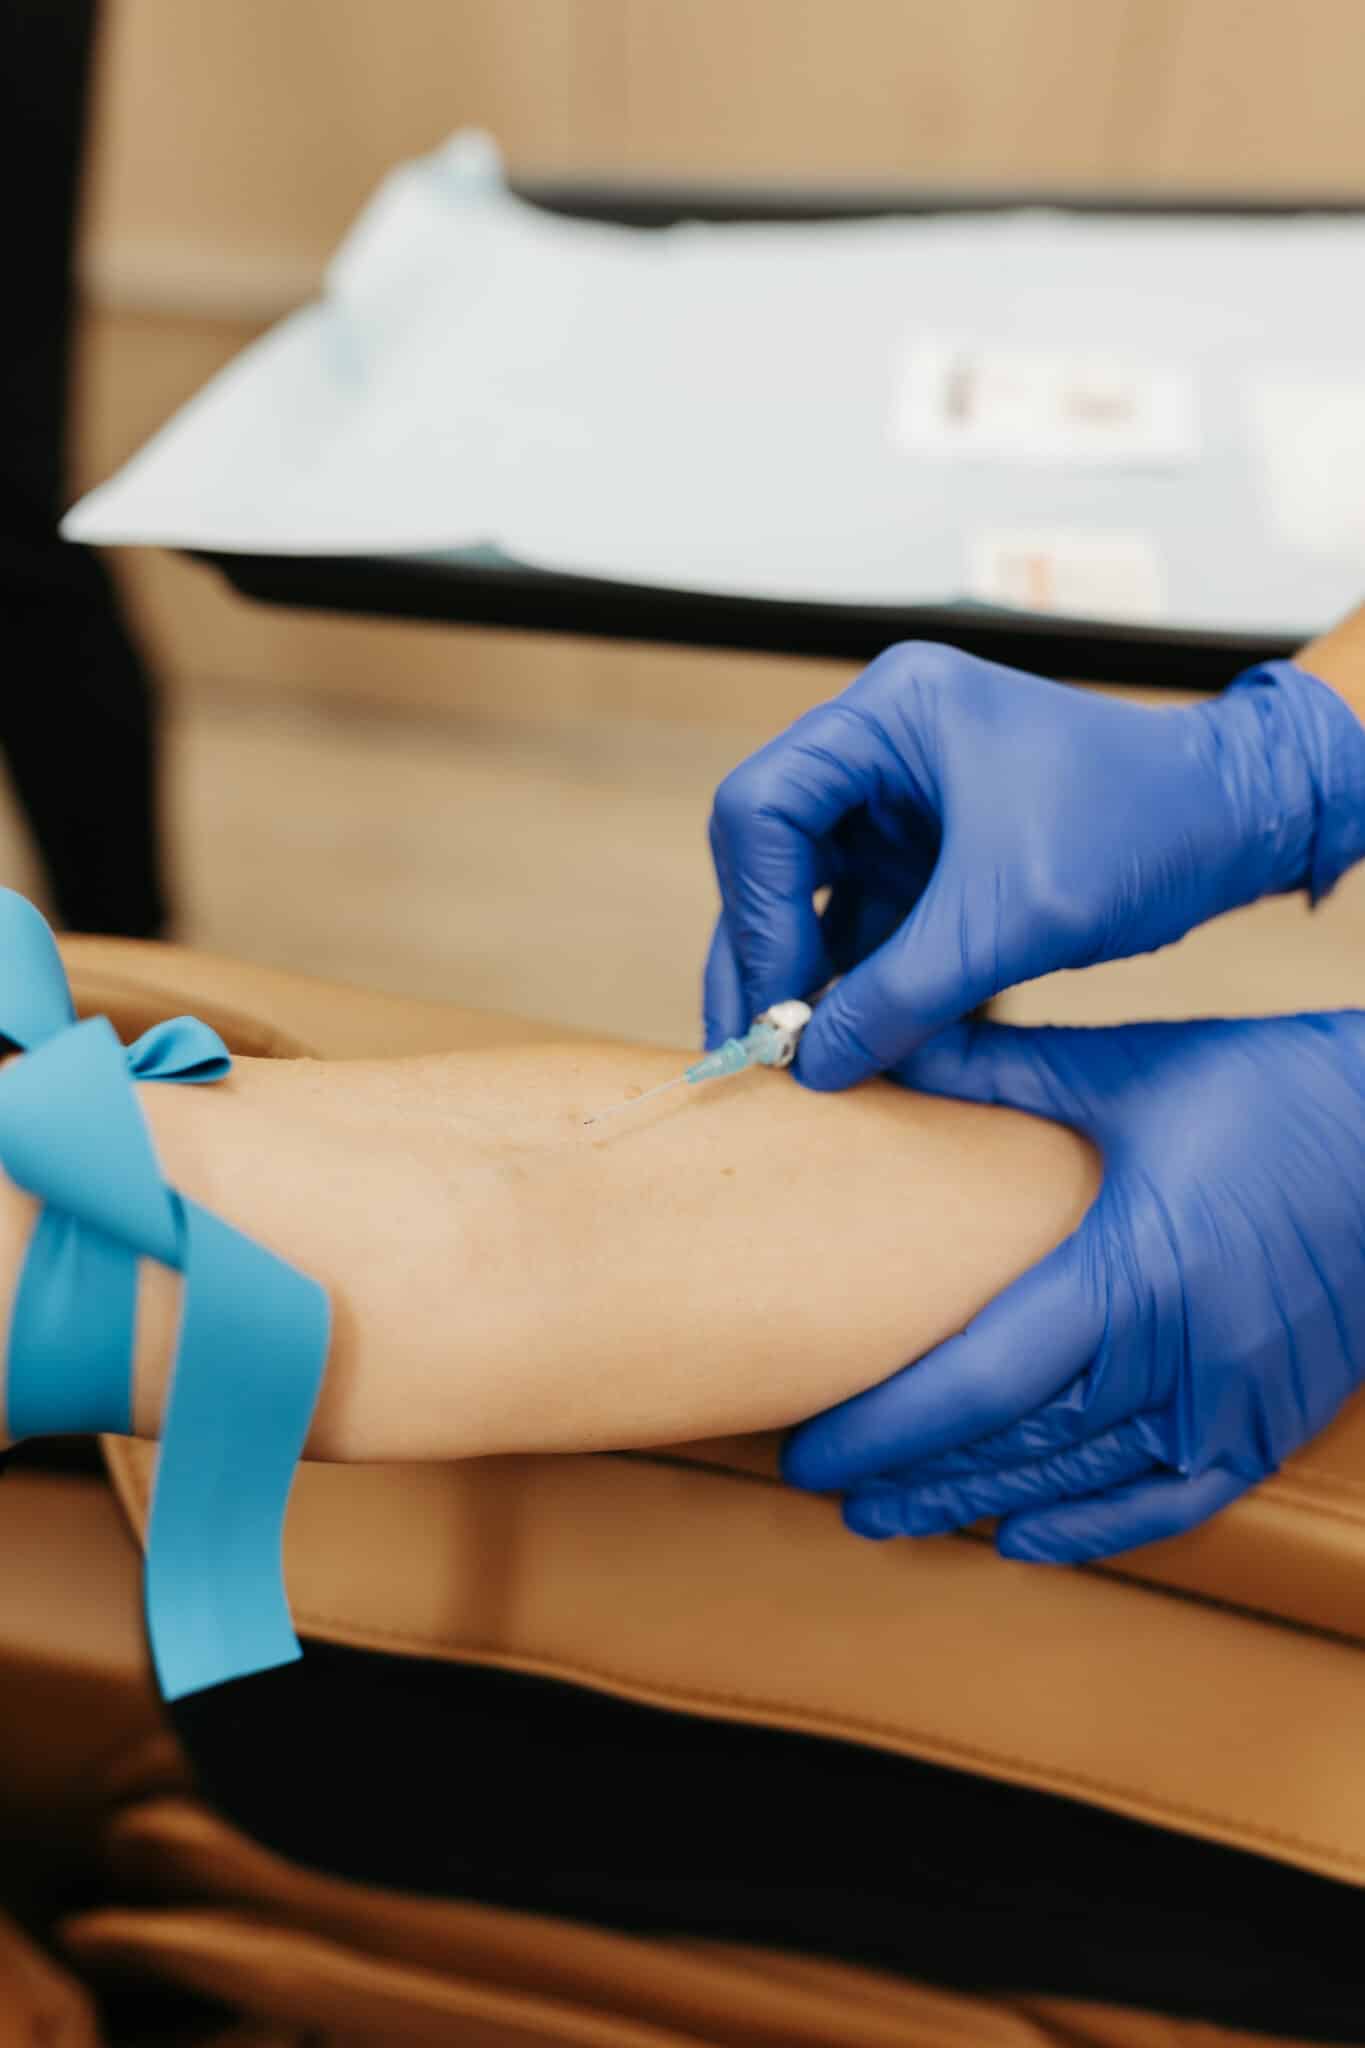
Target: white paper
(1310, 439)
(709, 407)
(988, 399)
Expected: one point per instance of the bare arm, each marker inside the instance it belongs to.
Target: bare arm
(729, 1259)
(1338, 657)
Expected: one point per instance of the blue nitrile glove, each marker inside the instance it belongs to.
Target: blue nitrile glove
(1205, 1320)
(978, 827)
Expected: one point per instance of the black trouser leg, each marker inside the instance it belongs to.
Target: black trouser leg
(77, 707)
(79, 729)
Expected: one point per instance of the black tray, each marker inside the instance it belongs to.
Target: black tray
(531, 600)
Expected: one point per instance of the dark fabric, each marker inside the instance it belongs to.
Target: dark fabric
(437, 1778)
(77, 713)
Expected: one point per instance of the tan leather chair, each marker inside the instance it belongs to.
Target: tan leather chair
(1211, 1688)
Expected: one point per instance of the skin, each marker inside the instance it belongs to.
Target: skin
(504, 1278)
(1338, 658)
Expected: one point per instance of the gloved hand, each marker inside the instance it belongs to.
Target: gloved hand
(1205, 1320)
(978, 827)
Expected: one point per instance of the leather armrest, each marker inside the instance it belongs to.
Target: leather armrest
(76, 1693)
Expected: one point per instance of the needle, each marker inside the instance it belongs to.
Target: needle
(771, 1041)
(600, 1116)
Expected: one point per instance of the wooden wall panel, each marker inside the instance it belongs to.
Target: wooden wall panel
(1267, 94)
(233, 144)
(1023, 89)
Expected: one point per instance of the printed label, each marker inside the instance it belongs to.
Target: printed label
(1089, 575)
(1000, 403)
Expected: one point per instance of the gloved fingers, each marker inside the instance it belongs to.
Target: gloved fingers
(958, 946)
(891, 849)
(856, 920)
(1145, 1511)
(1022, 1066)
(767, 822)
(722, 992)
(1011, 1359)
(767, 896)
(1090, 1407)
(852, 924)
(920, 979)
(881, 856)
(872, 883)
(914, 1506)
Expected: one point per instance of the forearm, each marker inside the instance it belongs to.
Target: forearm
(727, 1259)
(732, 1258)
(1338, 658)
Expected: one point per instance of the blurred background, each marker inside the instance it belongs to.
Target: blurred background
(519, 822)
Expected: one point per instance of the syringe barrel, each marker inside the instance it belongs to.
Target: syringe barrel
(770, 1041)
(731, 1058)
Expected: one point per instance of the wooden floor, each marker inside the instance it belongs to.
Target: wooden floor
(560, 871)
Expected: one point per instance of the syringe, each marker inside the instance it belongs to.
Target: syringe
(770, 1041)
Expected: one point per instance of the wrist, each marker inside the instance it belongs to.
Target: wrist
(1308, 750)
